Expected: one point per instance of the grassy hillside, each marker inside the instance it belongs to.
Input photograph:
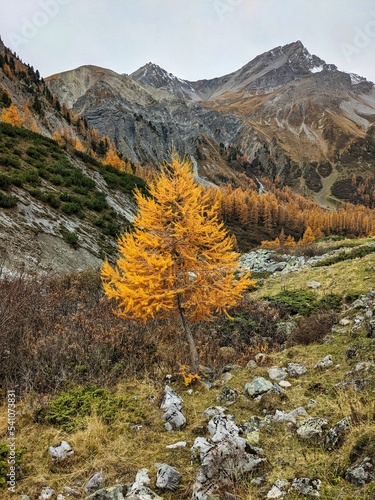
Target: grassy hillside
(96, 381)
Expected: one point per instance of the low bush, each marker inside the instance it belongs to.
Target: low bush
(356, 253)
(5, 182)
(50, 326)
(295, 301)
(70, 237)
(69, 409)
(8, 200)
(312, 329)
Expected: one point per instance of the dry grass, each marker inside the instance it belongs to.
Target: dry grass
(118, 450)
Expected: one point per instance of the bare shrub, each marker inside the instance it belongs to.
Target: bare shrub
(313, 328)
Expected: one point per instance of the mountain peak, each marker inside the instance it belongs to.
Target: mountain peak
(155, 76)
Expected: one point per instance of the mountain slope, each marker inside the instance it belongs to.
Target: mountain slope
(289, 112)
(60, 210)
(144, 121)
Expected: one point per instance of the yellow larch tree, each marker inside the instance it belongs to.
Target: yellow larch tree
(290, 242)
(308, 237)
(12, 116)
(179, 259)
(112, 158)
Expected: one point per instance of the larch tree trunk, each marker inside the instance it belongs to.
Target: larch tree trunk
(189, 335)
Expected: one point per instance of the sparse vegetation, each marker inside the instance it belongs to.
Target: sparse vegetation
(65, 333)
(68, 410)
(41, 167)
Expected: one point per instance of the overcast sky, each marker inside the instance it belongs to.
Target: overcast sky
(193, 39)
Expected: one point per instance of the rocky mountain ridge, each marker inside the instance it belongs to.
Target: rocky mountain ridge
(287, 111)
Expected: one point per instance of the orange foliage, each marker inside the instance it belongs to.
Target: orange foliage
(282, 208)
(28, 118)
(112, 158)
(11, 115)
(179, 251)
(308, 237)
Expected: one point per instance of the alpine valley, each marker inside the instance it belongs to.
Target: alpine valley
(287, 120)
(288, 112)
(277, 400)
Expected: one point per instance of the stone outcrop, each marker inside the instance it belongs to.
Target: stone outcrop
(223, 457)
(172, 406)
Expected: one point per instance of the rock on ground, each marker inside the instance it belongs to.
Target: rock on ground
(167, 477)
(335, 435)
(306, 486)
(94, 483)
(257, 387)
(361, 473)
(61, 451)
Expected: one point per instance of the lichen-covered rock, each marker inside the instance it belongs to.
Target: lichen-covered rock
(335, 435)
(110, 493)
(311, 428)
(361, 473)
(296, 369)
(227, 396)
(222, 427)
(172, 406)
(223, 463)
(278, 490)
(167, 477)
(326, 362)
(46, 493)
(61, 451)
(290, 417)
(171, 398)
(257, 387)
(306, 486)
(275, 373)
(211, 411)
(174, 417)
(139, 490)
(223, 457)
(94, 483)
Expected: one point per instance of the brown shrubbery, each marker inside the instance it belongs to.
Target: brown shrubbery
(63, 329)
(55, 331)
(312, 329)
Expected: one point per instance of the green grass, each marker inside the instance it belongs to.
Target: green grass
(356, 253)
